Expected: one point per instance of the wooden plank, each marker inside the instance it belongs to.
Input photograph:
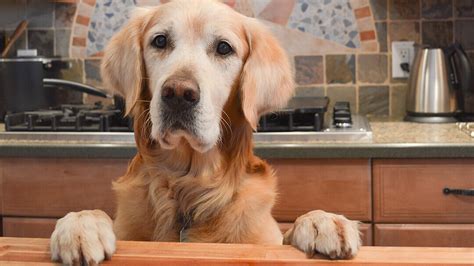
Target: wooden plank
(411, 191)
(365, 229)
(425, 235)
(34, 251)
(336, 185)
(52, 187)
(28, 227)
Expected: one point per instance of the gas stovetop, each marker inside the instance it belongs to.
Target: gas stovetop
(70, 117)
(303, 120)
(359, 131)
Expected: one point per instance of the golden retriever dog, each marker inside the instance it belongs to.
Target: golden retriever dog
(196, 76)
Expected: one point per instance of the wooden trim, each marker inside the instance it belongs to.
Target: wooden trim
(34, 251)
(425, 235)
(28, 227)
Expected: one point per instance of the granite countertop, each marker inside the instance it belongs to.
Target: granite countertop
(390, 140)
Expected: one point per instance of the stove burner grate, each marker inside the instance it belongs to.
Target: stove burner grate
(70, 118)
(301, 114)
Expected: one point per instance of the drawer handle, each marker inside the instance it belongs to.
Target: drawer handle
(455, 191)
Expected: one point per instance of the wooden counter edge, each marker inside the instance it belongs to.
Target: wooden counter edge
(34, 250)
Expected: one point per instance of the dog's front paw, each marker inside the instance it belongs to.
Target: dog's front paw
(83, 237)
(327, 233)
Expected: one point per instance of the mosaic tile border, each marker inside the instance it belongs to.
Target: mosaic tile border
(80, 28)
(361, 8)
(365, 25)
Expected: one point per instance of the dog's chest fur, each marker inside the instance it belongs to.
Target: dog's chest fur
(213, 205)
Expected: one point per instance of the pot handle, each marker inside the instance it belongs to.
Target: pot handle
(75, 86)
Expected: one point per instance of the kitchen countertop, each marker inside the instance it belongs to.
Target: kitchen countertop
(391, 139)
(34, 251)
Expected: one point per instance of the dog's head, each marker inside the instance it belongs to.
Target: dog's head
(185, 58)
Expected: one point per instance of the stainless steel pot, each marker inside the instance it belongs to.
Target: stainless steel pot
(23, 86)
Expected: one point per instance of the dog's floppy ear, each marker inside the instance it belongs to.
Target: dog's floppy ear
(267, 80)
(123, 69)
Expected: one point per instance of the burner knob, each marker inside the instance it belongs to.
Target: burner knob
(342, 115)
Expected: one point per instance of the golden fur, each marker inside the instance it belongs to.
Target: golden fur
(225, 191)
(228, 191)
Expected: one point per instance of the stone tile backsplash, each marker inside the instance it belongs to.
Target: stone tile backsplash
(372, 68)
(40, 14)
(309, 70)
(340, 69)
(464, 32)
(436, 9)
(42, 40)
(342, 48)
(374, 100)
(63, 15)
(437, 33)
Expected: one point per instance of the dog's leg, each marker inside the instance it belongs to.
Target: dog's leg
(326, 233)
(85, 236)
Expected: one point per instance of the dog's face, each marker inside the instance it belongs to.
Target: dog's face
(192, 62)
(191, 55)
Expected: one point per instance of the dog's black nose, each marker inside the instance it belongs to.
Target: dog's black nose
(180, 93)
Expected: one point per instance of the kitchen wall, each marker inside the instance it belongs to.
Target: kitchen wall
(339, 48)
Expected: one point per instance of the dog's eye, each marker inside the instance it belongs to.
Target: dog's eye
(159, 41)
(223, 48)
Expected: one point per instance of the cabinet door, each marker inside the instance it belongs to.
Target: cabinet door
(52, 187)
(411, 191)
(365, 229)
(424, 235)
(338, 186)
(28, 227)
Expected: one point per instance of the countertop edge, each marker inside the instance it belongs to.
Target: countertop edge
(264, 150)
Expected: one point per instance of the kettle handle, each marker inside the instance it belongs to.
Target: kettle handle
(465, 83)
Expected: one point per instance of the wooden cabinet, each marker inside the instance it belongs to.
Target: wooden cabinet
(53, 187)
(426, 235)
(339, 186)
(28, 227)
(410, 208)
(411, 191)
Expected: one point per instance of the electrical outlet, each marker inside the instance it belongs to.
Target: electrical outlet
(402, 58)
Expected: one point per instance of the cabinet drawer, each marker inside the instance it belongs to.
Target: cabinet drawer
(424, 235)
(47, 187)
(28, 227)
(365, 229)
(411, 191)
(338, 186)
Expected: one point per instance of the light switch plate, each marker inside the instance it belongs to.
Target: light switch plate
(402, 52)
